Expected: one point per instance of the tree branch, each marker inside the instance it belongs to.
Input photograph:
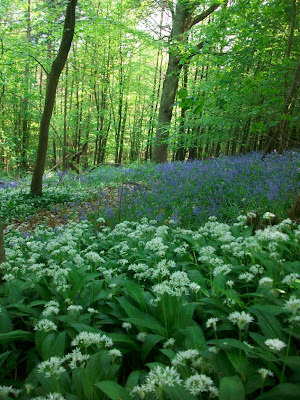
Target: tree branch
(200, 17)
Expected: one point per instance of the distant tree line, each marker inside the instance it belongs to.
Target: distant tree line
(157, 80)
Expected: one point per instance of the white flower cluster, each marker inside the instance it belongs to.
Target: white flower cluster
(264, 373)
(51, 367)
(50, 396)
(87, 339)
(292, 305)
(52, 307)
(76, 359)
(157, 379)
(182, 356)
(200, 383)
(5, 391)
(275, 344)
(177, 285)
(291, 278)
(241, 319)
(157, 246)
(45, 325)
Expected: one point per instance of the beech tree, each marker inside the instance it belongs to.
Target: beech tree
(183, 19)
(52, 82)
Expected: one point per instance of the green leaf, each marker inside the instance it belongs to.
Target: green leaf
(5, 322)
(149, 343)
(286, 391)
(136, 292)
(178, 393)
(169, 353)
(269, 324)
(113, 390)
(3, 357)
(232, 388)
(239, 361)
(150, 323)
(182, 93)
(120, 338)
(186, 313)
(9, 337)
(224, 343)
(194, 337)
(135, 378)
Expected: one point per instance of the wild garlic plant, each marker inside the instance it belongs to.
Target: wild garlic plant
(143, 311)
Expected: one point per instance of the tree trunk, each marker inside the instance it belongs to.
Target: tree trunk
(279, 140)
(180, 153)
(26, 119)
(65, 137)
(2, 249)
(52, 82)
(170, 86)
(182, 21)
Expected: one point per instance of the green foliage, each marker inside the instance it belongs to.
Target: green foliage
(16, 204)
(85, 309)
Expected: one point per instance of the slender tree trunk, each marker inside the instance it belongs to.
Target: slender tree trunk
(2, 248)
(52, 82)
(182, 21)
(153, 107)
(65, 138)
(54, 153)
(26, 120)
(170, 86)
(279, 138)
(180, 154)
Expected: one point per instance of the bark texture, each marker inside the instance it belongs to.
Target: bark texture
(52, 82)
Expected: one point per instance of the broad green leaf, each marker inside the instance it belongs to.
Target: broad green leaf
(293, 362)
(149, 343)
(186, 313)
(222, 364)
(150, 323)
(136, 292)
(225, 343)
(177, 392)
(83, 327)
(232, 388)
(9, 337)
(269, 324)
(113, 390)
(194, 337)
(3, 357)
(5, 322)
(169, 353)
(47, 345)
(98, 368)
(284, 391)
(136, 377)
(239, 361)
(120, 338)
(130, 309)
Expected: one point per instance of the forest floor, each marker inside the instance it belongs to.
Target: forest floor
(147, 281)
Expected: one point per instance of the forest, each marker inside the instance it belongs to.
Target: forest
(149, 199)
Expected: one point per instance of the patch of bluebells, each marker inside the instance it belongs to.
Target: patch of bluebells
(4, 184)
(224, 187)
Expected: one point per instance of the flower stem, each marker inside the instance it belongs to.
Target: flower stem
(287, 351)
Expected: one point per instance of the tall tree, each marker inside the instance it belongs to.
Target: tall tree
(183, 19)
(2, 249)
(52, 82)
